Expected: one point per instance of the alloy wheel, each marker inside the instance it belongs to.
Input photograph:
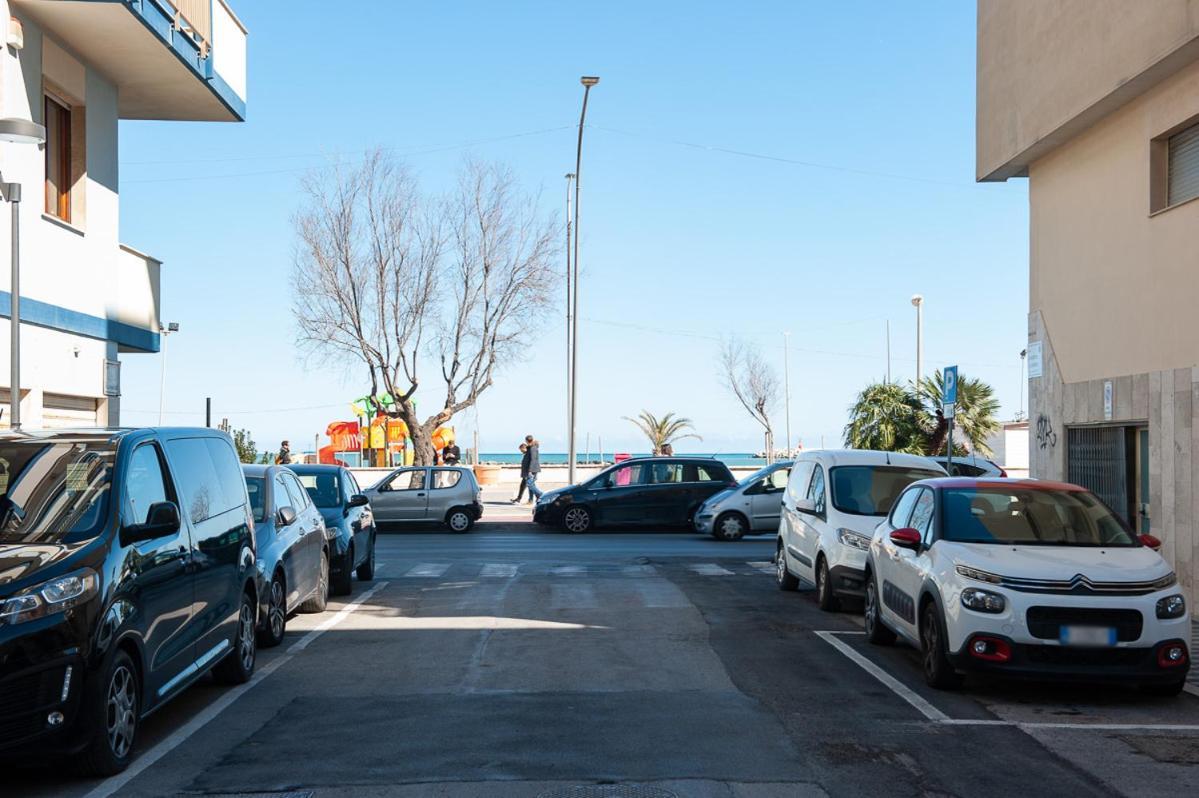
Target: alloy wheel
(323, 585)
(576, 520)
(930, 635)
(869, 619)
(730, 528)
(822, 581)
(246, 635)
(122, 711)
(276, 614)
(780, 566)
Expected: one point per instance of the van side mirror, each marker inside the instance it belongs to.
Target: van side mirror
(286, 516)
(162, 519)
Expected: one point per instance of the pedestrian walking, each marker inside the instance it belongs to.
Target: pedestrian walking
(450, 454)
(524, 472)
(284, 456)
(533, 453)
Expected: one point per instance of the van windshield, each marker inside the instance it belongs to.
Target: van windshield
(54, 491)
(871, 490)
(1025, 517)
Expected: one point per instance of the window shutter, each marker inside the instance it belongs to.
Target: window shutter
(1184, 166)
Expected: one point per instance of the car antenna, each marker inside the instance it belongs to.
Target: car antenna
(888, 458)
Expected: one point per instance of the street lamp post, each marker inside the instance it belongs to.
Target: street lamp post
(787, 386)
(918, 301)
(588, 82)
(172, 327)
(19, 131)
(569, 337)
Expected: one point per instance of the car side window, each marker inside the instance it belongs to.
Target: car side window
(446, 478)
(145, 483)
(299, 497)
(409, 480)
(199, 480)
(625, 476)
(709, 474)
(902, 510)
(282, 495)
(816, 489)
(664, 473)
(777, 481)
(922, 515)
(798, 479)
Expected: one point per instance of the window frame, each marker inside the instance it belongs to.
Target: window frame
(60, 205)
(1159, 168)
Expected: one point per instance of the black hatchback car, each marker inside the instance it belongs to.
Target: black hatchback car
(126, 573)
(663, 491)
(349, 520)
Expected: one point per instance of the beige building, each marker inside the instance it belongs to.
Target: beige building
(1096, 102)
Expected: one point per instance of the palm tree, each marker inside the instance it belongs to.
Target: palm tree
(888, 417)
(663, 431)
(974, 417)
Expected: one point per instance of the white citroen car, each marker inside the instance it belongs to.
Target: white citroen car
(1024, 578)
(833, 501)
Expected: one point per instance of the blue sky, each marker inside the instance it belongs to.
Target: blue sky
(866, 111)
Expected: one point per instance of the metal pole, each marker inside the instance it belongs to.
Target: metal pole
(208, 412)
(1023, 383)
(919, 344)
(949, 457)
(888, 351)
(787, 385)
(569, 337)
(574, 340)
(14, 414)
(162, 376)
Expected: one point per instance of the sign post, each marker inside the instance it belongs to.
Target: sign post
(949, 396)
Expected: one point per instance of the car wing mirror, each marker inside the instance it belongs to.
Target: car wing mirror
(286, 516)
(906, 538)
(1150, 541)
(162, 519)
(358, 500)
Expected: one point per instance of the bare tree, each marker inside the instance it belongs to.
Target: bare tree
(402, 283)
(753, 381)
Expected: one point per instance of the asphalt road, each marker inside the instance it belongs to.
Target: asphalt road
(509, 662)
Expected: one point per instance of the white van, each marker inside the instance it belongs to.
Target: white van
(834, 500)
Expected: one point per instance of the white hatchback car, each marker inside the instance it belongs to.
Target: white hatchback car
(1025, 578)
(833, 502)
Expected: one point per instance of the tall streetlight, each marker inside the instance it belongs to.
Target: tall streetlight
(569, 178)
(588, 82)
(18, 131)
(918, 301)
(172, 327)
(787, 385)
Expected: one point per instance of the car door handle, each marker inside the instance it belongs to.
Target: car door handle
(422, 493)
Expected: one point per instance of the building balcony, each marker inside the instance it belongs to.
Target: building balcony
(170, 59)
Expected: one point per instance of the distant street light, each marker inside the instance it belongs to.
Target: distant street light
(18, 131)
(918, 301)
(172, 327)
(588, 82)
(787, 385)
(570, 176)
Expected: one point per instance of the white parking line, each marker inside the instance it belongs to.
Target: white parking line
(765, 567)
(147, 759)
(502, 569)
(710, 569)
(568, 570)
(428, 570)
(937, 716)
(897, 687)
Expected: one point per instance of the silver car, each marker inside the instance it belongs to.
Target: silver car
(754, 506)
(446, 494)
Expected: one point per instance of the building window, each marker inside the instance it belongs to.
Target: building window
(58, 159)
(1183, 171)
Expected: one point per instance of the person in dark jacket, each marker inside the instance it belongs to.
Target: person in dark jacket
(524, 473)
(533, 456)
(284, 456)
(451, 454)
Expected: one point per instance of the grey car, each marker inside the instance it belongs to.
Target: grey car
(444, 494)
(754, 506)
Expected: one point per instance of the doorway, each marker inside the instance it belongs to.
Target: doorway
(1113, 463)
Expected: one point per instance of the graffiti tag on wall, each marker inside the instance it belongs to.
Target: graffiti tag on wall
(1046, 437)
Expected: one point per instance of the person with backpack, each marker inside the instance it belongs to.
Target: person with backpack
(284, 456)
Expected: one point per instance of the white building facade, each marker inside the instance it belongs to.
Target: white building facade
(77, 67)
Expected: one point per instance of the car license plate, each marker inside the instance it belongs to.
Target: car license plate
(1088, 636)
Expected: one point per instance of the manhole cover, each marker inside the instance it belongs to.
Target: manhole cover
(608, 791)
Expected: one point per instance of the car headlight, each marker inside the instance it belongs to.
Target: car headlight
(1169, 580)
(980, 576)
(1171, 607)
(855, 540)
(982, 600)
(48, 598)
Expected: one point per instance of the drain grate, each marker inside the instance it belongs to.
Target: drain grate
(609, 791)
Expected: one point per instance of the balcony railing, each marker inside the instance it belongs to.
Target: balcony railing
(193, 17)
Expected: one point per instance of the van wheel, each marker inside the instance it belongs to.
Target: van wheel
(876, 633)
(118, 706)
(938, 672)
(366, 571)
(343, 585)
(730, 526)
(238, 665)
(272, 630)
(459, 520)
(782, 574)
(824, 588)
(321, 600)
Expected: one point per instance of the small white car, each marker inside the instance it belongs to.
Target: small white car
(752, 507)
(1027, 579)
(833, 502)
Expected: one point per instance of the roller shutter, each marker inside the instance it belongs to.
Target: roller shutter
(1184, 166)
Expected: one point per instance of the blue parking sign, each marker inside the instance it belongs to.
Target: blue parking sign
(951, 385)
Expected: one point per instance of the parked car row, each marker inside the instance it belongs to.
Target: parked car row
(134, 562)
(1015, 577)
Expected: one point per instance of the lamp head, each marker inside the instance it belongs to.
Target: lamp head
(170, 328)
(589, 80)
(21, 131)
(917, 299)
